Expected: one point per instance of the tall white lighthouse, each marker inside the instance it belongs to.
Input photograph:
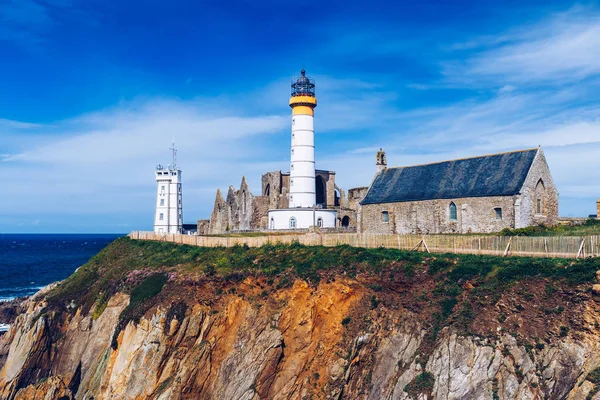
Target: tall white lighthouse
(303, 212)
(302, 163)
(168, 217)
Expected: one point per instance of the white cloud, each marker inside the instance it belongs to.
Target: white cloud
(102, 163)
(562, 48)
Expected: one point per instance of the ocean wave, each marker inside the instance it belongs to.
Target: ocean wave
(4, 327)
(9, 294)
(21, 289)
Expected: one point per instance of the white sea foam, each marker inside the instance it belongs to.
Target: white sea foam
(4, 327)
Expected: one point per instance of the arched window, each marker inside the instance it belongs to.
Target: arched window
(293, 223)
(320, 222)
(268, 190)
(272, 223)
(452, 210)
(540, 197)
(345, 221)
(336, 197)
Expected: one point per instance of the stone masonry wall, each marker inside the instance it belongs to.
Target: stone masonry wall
(473, 214)
(203, 226)
(241, 210)
(355, 196)
(526, 209)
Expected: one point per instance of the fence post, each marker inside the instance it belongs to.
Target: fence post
(581, 248)
(507, 247)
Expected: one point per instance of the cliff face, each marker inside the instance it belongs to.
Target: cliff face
(355, 337)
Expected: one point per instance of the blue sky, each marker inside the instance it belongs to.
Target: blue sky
(91, 94)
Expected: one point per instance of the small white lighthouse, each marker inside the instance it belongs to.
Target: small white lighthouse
(303, 212)
(168, 217)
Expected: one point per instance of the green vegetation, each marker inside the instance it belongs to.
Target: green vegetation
(150, 287)
(590, 227)
(461, 286)
(594, 377)
(423, 383)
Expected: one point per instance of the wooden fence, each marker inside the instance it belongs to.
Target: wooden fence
(551, 246)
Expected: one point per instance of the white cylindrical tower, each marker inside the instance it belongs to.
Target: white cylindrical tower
(302, 165)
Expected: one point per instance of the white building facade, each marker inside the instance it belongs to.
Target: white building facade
(168, 217)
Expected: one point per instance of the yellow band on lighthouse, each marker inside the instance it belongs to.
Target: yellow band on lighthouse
(303, 110)
(303, 101)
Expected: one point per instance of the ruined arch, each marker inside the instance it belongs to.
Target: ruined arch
(320, 191)
(336, 197)
(267, 190)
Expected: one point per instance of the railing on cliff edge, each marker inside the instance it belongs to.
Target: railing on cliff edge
(549, 246)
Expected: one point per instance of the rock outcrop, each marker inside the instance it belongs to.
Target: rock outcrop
(343, 338)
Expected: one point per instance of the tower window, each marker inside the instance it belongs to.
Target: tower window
(292, 151)
(385, 216)
(162, 202)
(498, 212)
(293, 223)
(162, 189)
(452, 211)
(161, 216)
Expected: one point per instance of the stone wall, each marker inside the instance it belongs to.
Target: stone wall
(203, 226)
(538, 185)
(355, 196)
(536, 204)
(328, 178)
(275, 189)
(473, 214)
(241, 210)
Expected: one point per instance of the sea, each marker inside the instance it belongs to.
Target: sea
(28, 262)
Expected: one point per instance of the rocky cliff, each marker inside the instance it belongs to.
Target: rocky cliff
(160, 321)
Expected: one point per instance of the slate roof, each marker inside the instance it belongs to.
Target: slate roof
(492, 175)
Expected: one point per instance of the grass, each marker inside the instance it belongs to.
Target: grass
(140, 268)
(107, 272)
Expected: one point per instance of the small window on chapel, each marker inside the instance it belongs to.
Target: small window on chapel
(538, 206)
(385, 216)
(498, 212)
(452, 211)
(292, 223)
